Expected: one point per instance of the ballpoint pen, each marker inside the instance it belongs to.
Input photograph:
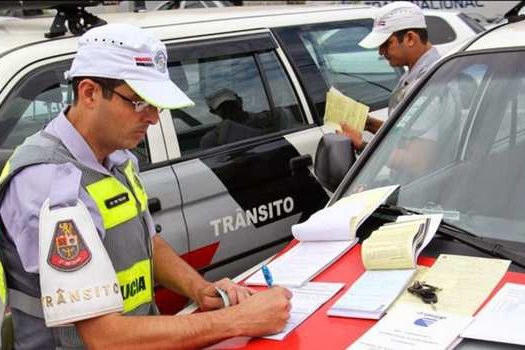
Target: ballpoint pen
(267, 275)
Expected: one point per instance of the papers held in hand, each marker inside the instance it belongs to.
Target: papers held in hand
(341, 108)
(323, 238)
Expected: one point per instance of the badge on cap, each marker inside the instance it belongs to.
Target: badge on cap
(68, 251)
(160, 61)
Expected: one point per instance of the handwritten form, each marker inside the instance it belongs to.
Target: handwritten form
(305, 301)
(341, 108)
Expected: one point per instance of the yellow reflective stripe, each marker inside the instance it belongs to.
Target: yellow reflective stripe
(5, 171)
(3, 291)
(136, 185)
(109, 188)
(136, 285)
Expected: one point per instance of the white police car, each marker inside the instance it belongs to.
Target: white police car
(224, 189)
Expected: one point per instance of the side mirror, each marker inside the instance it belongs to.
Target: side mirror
(333, 158)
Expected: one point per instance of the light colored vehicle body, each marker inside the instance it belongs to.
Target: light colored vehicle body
(467, 118)
(191, 4)
(223, 207)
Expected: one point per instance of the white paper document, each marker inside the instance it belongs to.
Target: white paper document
(301, 263)
(372, 294)
(329, 224)
(408, 329)
(501, 320)
(305, 301)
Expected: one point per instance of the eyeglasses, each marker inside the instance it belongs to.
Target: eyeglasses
(138, 106)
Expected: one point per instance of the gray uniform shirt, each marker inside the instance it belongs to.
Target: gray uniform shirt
(408, 79)
(28, 190)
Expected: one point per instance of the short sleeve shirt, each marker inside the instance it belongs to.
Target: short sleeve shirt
(28, 190)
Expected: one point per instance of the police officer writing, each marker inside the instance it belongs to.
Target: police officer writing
(79, 247)
(400, 32)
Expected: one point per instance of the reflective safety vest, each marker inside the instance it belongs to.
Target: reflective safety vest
(122, 203)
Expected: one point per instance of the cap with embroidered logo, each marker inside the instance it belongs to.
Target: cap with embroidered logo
(392, 18)
(126, 52)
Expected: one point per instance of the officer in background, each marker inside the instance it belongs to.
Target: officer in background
(78, 243)
(400, 32)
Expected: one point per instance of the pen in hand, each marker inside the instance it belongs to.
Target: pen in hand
(267, 275)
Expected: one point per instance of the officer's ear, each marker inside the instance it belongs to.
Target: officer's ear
(411, 38)
(88, 91)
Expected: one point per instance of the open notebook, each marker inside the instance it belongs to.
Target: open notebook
(389, 257)
(323, 238)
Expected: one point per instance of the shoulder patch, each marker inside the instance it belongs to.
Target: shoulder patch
(68, 251)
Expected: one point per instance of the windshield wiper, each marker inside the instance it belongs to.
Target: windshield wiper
(449, 230)
(480, 243)
(357, 76)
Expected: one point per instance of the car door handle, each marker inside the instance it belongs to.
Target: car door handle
(154, 205)
(300, 163)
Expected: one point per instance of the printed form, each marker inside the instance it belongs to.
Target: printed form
(501, 320)
(465, 283)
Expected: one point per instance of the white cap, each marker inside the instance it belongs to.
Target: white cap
(126, 52)
(392, 18)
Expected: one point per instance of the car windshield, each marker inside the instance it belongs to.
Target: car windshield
(458, 146)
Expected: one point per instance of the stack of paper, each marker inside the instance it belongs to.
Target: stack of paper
(397, 245)
(340, 108)
(392, 252)
(371, 295)
(323, 238)
(501, 319)
(412, 329)
(302, 263)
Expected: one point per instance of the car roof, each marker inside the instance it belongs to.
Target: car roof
(27, 31)
(504, 36)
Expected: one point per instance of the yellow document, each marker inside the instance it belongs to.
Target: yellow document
(394, 246)
(465, 283)
(369, 201)
(340, 108)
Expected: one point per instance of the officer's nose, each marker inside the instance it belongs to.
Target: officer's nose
(152, 115)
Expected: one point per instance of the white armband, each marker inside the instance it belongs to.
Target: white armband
(77, 278)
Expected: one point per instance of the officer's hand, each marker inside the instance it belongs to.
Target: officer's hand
(264, 313)
(355, 136)
(210, 299)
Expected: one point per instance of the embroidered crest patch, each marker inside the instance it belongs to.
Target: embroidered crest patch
(160, 61)
(68, 251)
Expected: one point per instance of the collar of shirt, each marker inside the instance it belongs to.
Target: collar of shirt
(62, 128)
(421, 67)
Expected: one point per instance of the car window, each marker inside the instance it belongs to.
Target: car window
(439, 31)
(193, 4)
(33, 103)
(231, 101)
(340, 62)
(458, 146)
